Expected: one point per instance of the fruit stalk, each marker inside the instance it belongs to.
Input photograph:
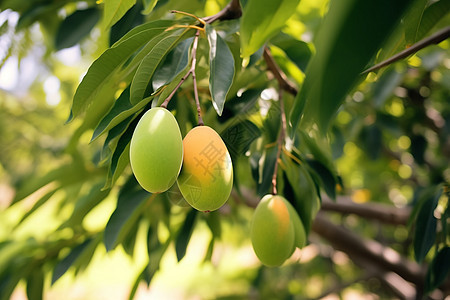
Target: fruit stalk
(194, 77)
(280, 141)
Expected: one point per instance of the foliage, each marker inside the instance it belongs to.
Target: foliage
(376, 137)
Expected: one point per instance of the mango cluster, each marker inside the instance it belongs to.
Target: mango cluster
(200, 163)
(276, 230)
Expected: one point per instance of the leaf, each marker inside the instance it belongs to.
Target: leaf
(266, 167)
(147, 67)
(130, 19)
(297, 51)
(385, 85)
(120, 157)
(62, 267)
(37, 205)
(438, 270)
(121, 110)
(129, 206)
(351, 34)
(185, 234)
(75, 27)
(213, 221)
(175, 62)
(35, 284)
(221, 66)
(261, 20)
(148, 6)
(425, 232)
(306, 202)
(413, 19)
(241, 107)
(114, 11)
(432, 15)
(238, 137)
(325, 177)
(85, 204)
(101, 71)
(371, 141)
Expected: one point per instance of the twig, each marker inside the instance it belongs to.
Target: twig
(433, 39)
(280, 141)
(231, 11)
(190, 72)
(282, 79)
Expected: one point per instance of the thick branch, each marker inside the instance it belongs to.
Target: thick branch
(362, 250)
(231, 11)
(282, 79)
(433, 39)
(376, 211)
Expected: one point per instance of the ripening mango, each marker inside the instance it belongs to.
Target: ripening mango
(156, 150)
(272, 231)
(206, 178)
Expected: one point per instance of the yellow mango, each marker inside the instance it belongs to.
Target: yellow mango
(206, 177)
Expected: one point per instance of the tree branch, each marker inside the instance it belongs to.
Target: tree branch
(433, 39)
(282, 79)
(375, 211)
(362, 250)
(231, 11)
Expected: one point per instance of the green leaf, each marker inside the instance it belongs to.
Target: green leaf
(121, 110)
(35, 284)
(147, 67)
(438, 270)
(62, 267)
(148, 6)
(101, 74)
(114, 11)
(238, 137)
(425, 232)
(266, 167)
(75, 27)
(300, 184)
(324, 176)
(297, 51)
(413, 19)
(351, 34)
(261, 20)
(176, 61)
(120, 157)
(131, 19)
(221, 66)
(385, 85)
(85, 204)
(129, 206)
(432, 15)
(185, 234)
(37, 205)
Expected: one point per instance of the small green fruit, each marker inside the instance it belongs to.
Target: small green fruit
(272, 231)
(156, 150)
(206, 178)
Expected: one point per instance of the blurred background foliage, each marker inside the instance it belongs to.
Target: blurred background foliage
(390, 144)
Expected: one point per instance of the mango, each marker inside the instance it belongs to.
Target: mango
(272, 231)
(156, 150)
(299, 229)
(206, 177)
